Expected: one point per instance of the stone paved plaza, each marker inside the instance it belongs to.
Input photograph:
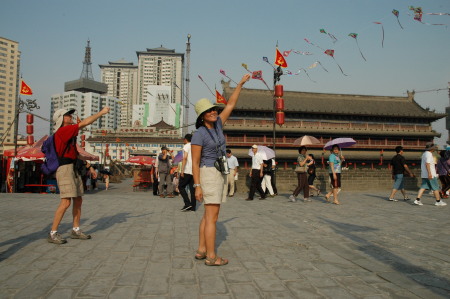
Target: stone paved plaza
(143, 247)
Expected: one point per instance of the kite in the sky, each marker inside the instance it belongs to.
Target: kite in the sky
(298, 73)
(418, 13)
(315, 64)
(309, 42)
(397, 13)
(223, 73)
(355, 36)
(286, 53)
(333, 38)
(382, 33)
(258, 75)
(330, 53)
(200, 77)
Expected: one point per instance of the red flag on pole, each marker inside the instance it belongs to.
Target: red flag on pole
(220, 99)
(25, 89)
(279, 59)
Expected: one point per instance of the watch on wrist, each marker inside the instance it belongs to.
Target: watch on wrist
(196, 185)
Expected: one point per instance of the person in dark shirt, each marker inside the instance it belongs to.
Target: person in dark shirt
(399, 167)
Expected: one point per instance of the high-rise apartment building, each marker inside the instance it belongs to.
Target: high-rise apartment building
(9, 81)
(87, 104)
(160, 66)
(121, 77)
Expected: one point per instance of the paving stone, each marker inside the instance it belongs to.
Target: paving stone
(143, 246)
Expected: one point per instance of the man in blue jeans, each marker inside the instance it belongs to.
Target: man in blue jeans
(399, 167)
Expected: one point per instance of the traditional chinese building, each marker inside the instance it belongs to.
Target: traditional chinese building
(377, 123)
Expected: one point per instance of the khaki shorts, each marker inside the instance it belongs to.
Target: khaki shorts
(214, 185)
(69, 185)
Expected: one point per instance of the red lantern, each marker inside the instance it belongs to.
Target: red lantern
(83, 144)
(83, 137)
(280, 118)
(30, 139)
(279, 104)
(278, 90)
(30, 129)
(30, 118)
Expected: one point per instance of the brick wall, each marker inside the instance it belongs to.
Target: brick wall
(351, 180)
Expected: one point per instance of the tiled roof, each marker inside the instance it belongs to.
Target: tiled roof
(344, 104)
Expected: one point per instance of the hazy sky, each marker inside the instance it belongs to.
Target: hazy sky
(52, 35)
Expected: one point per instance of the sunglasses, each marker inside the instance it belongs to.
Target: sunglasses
(211, 109)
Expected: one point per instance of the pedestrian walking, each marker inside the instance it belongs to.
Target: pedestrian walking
(256, 174)
(302, 180)
(233, 166)
(273, 177)
(68, 179)
(208, 146)
(443, 170)
(186, 178)
(399, 168)
(429, 176)
(335, 167)
(106, 178)
(266, 181)
(312, 174)
(163, 166)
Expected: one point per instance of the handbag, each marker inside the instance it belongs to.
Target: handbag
(300, 169)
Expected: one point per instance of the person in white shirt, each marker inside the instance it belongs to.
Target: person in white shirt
(429, 176)
(256, 174)
(233, 165)
(186, 178)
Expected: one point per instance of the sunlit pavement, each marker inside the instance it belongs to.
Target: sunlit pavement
(143, 246)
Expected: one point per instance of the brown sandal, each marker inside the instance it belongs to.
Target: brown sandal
(212, 261)
(200, 255)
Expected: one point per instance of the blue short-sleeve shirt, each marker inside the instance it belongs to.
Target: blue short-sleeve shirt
(336, 160)
(209, 146)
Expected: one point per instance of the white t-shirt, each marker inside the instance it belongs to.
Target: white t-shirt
(257, 160)
(427, 157)
(232, 162)
(188, 166)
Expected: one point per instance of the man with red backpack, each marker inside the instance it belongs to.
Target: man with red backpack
(69, 181)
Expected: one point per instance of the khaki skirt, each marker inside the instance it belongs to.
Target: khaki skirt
(214, 185)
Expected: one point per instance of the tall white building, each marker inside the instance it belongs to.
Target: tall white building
(9, 81)
(121, 77)
(87, 104)
(157, 107)
(161, 67)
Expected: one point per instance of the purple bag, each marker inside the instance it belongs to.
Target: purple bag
(51, 162)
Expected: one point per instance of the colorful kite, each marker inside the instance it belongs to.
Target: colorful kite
(330, 53)
(307, 40)
(223, 73)
(245, 66)
(418, 13)
(286, 53)
(258, 76)
(382, 33)
(298, 73)
(397, 13)
(315, 64)
(200, 77)
(333, 38)
(355, 36)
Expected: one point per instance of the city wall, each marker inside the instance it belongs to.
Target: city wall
(363, 179)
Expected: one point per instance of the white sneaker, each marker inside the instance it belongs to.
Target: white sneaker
(440, 203)
(418, 202)
(392, 199)
(292, 198)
